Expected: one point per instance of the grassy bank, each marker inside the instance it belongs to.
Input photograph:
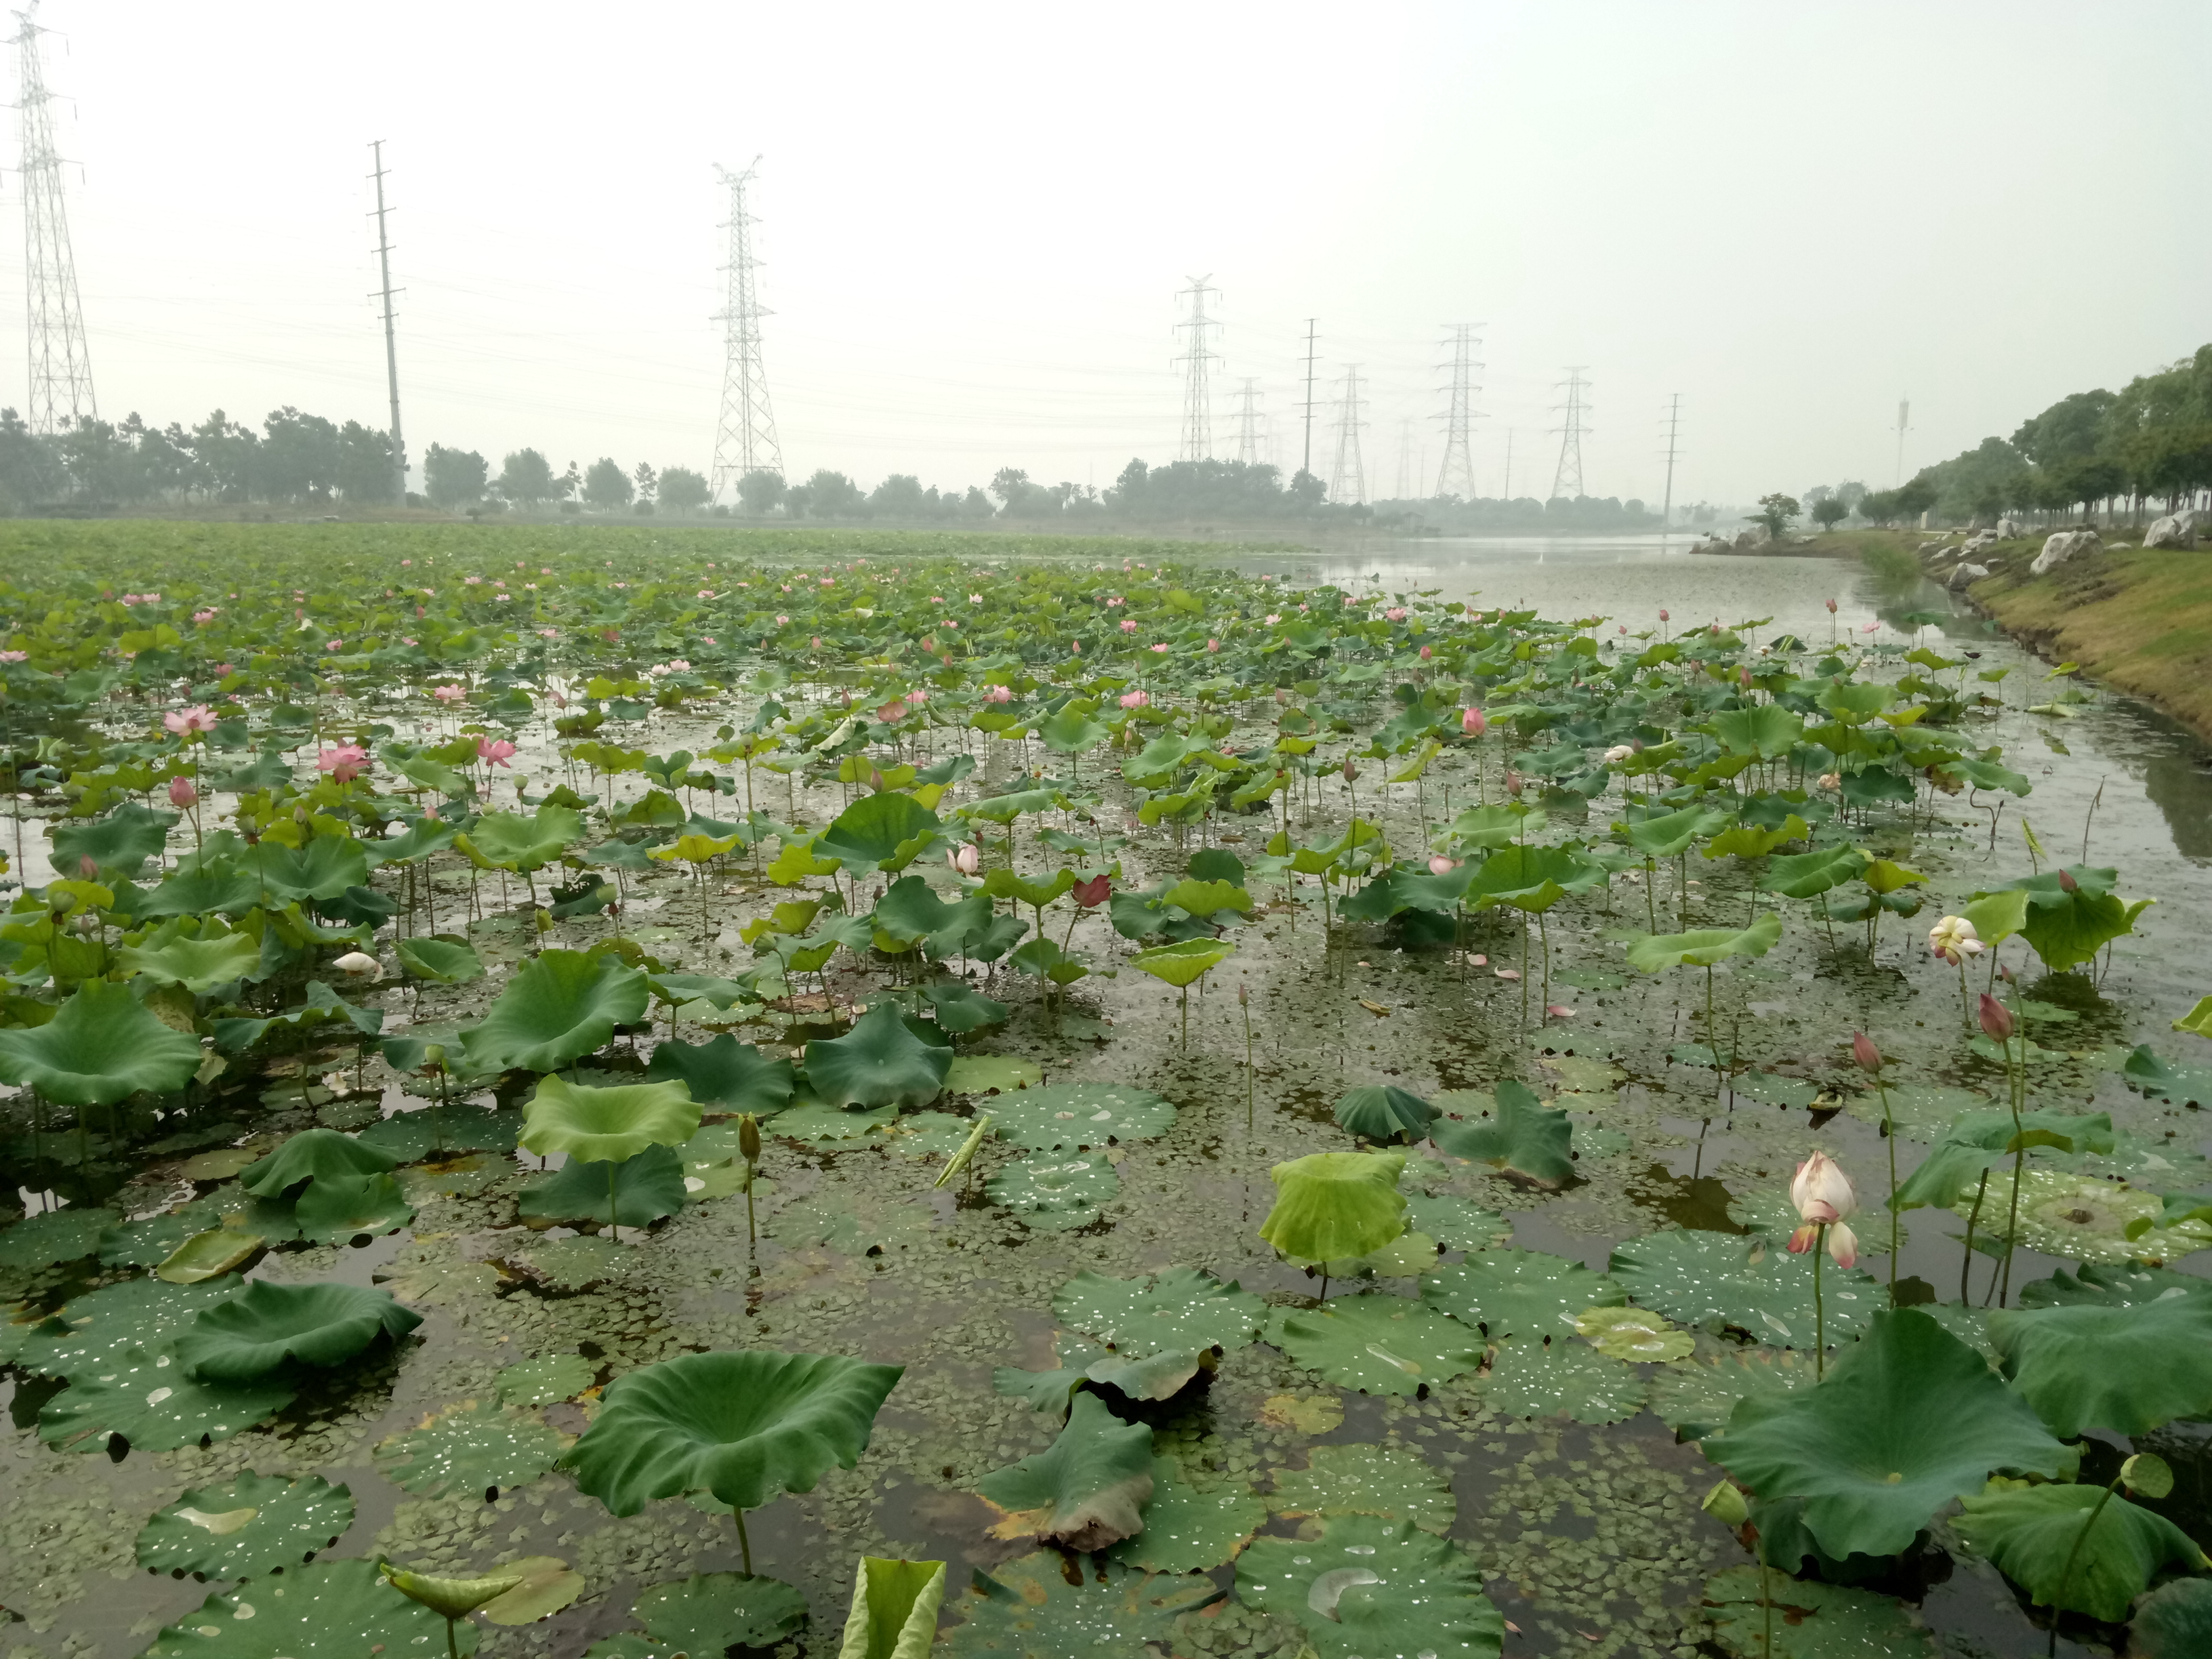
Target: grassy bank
(2140, 621)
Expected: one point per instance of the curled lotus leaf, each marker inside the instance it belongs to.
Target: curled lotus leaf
(894, 1611)
(1527, 1138)
(1183, 962)
(1333, 1205)
(267, 1326)
(327, 1610)
(441, 961)
(1085, 1491)
(1385, 1113)
(631, 1192)
(246, 1527)
(2036, 1535)
(548, 1585)
(199, 962)
(102, 1046)
(603, 1125)
(314, 1155)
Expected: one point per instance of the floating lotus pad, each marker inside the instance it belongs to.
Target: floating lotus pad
(267, 1325)
(1083, 1492)
(145, 1396)
(1518, 1293)
(1055, 1190)
(1378, 1344)
(541, 1380)
(53, 1236)
(1177, 1311)
(712, 1611)
(1529, 1377)
(1187, 1529)
(1080, 1114)
(1027, 1608)
(88, 1332)
(1368, 1586)
(246, 1527)
(472, 1448)
(1385, 1481)
(330, 1610)
(1749, 1282)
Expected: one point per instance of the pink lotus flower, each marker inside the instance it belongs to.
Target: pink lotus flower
(975, 598)
(917, 698)
(1560, 1011)
(892, 712)
(1512, 783)
(782, 621)
(998, 694)
(496, 751)
(1664, 617)
(181, 792)
(815, 643)
(1441, 866)
(333, 645)
(1870, 628)
(204, 617)
(14, 656)
(1128, 626)
(1135, 699)
(1395, 613)
(1831, 604)
(1478, 961)
(1821, 1191)
(548, 633)
(1426, 653)
(225, 669)
(1506, 973)
(191, 722)
(1214, 645)
(1474, 722)
(1273, 616)
(477, 582)
(966, 861)
(448, 693)
(344, 763)
(1161, 649)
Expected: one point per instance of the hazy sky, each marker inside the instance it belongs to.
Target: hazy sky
(976, 220)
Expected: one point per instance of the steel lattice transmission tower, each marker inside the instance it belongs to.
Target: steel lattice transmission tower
(1674, 453)
(1458, 469)
(1350, 469)
(1248, 422)
(745, 437)
(1567, 479)
(60, 391)
(1197, 416)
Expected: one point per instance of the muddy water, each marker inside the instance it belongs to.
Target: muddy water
(1588, 1533)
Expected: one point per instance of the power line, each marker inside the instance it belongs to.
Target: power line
(744, 435)
(1570, 470)
(60, 390)
(1306, 467)
(1197, 415)
(1459, 417)
(1674, 426)
(1350, 469)
(1248, 423)
(390, 338)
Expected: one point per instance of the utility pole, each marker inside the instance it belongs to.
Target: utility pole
(1674, 426)
(1509, 464)
(390, 338)
(1306, 467)
(1567, 478)
(1350, 469)
(59, 394)
(1903, 425)
(1197, 417)
(1248, 423)
(744, 435)
(1456, 476)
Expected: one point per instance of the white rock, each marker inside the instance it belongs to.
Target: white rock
(1966, 574)
(1757, 536)
(2175, 530)
(2062, 546)
(2009, 528)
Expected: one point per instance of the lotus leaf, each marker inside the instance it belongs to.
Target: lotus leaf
(101, 1046)
(727, 1074)
(879, 1063)
(894, 1610)
(1027, 1609)
(1080, 1114)
(89, 1333)
(2174, 1621)
(1056, 1190)
(411, 1136)
(209, 1254)
(744, 1427)
(246, 1528)
(443, 961)
(471, 1447)
(1180, 963)
(315, 1155)
(2031, 1533)
(548, 1585)
(1810, 1619)
(594, 1126)
(1329, 1204)
(323, 869)
(1909, 1417)
(53, 1236)
(121, 842)
(1083, 1492)
(976, 1074)
(1177, 1311)
(1977, 1141)
(347, 1208)
(1187, 1529)
(1157, 1376)
(1702, 947)
(1377, 1343)
(1632, 1334)
(2128, 1369)
(330, 1610)
(555, 1010)
(1384, 1114)
(579, 1263)
(2110, 1287)
(1531, 1378)
(1694, 1396)
(888, 830)
(811, 1120)
(960, 1009)
(256, 1332)
(542, 1381)
(1457, 1223)
(144, 1396)
(1749, 1282)
(1519, 1293)
(634, 1192)
(199, 962)
(1370, 1587)
(1386, 1481)
(1526, 1137)
(2084, 1218)
(508, 840)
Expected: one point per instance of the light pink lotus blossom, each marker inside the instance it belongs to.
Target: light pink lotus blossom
(1474, 722)
(1135, 699)
(182, 795)
(1395, 613)
(14, 656)
(998, 694)
(1161, 649)
(1273, 617)
(1128, 626)
(190, 722)
(204, 617)
(1441, 866)
(344, 763)
(1955, 939)
(496, 751)
(1214, 645)
(448, 693)
(965, 860)
(1506, 973)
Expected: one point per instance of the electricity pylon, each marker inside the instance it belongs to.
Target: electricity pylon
(1197, 414)
(1248, 423)
(1567, 478)
(60, 389)
(1456, 476)
(1350, 469)
(1673, 428)
(391, 335)
(745, 437)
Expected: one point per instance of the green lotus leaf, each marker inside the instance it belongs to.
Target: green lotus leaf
(333, 1211)
(1067, 732)
(508, 840)
(247, 1527)
(1810, 1620)
(1701, 947)
(441, 960)
(593, 1126)
(579, 1263)
(909, 909)
(209, 1254)
(712, 1611)
(145, 1396)
(1385, 1481)
(88, 1332)
(121, 842)
(198, 961)
(542, 1381)
(1909, 1418)
(323, 869)
(888, 830)
(2083, 1217)
(1156, 1376)
(1977, 1141)
(727, 1074)
(1083, 1492)
(2128, 1369)
(1027, 1609)
(548, 1585)
(559, 1008)
(1526, 1137)
(1808, 875)
(1080, 1114)
(412, 1136)
(1329, 1204)
(226, 888)
(2124, 1286)
(329, 1610)
(976, 1074)
(1531, 878)
(470, 1449)
(811, 1120)
(744, 1427)
(1369, 1587)
(1668, 834)
(960, 1007)
(631, 1644)
(254, 1332)
(102, 1045)
(2031, 1533)
(1178, 1311)
(1768, 731)
(1633, 1334)
(640, 1190)
(323, 1007)
(1519, 1293)
(2068, 927)
(1457, 1223)
(2174, 1621)
(878, 1063)
(1384, 1114)
(1749, 1282)
(1183, 962)
(1056, 1190)
(1694, 1396)
(1187, 1529)
(1529, 1377)
(317, 1155)
(451, 1598)
(53, 1236)
(1377, 1343)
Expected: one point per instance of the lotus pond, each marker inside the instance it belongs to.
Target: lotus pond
(637, 1093)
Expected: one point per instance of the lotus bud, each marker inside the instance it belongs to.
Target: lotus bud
(1243, 998)
(2148, 1476)
(2067, 883)
(358, 962)
(1664, 617)
(1864, 1052)
(87, 867)
(1441, 866)
(1351, 772)
(1474, 722)
(749, 1137)
(1821, 1192)
(451, 1598)
(182, 795)
(965, 860)
(1513, 783)
(1093, 892)
(1725, 1505)
(1996, 1018)
(1831, 604)
(88, 924)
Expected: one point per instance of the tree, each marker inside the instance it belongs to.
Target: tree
(898, 497)
(1776, 511)
(648, 481)
(682, 490)
(2071, 429)
(1850, 493)
(607, 487)
(833, 495)
(1829, 512)
(298, 459)
(1914, 497)
(451, 477)
(1007, 483)
(364, 463)
(570, 484)
(30, 471)
(525, 479)
(760, 491)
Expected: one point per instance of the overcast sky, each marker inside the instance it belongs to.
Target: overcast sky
(976, 219)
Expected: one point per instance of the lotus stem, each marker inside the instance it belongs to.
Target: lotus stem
(744, 1544)
(2058, 1596)
(1889, 1134)
(2018, 1078)
(1819, 1312)
(1973, 1215)
(614, 1221)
